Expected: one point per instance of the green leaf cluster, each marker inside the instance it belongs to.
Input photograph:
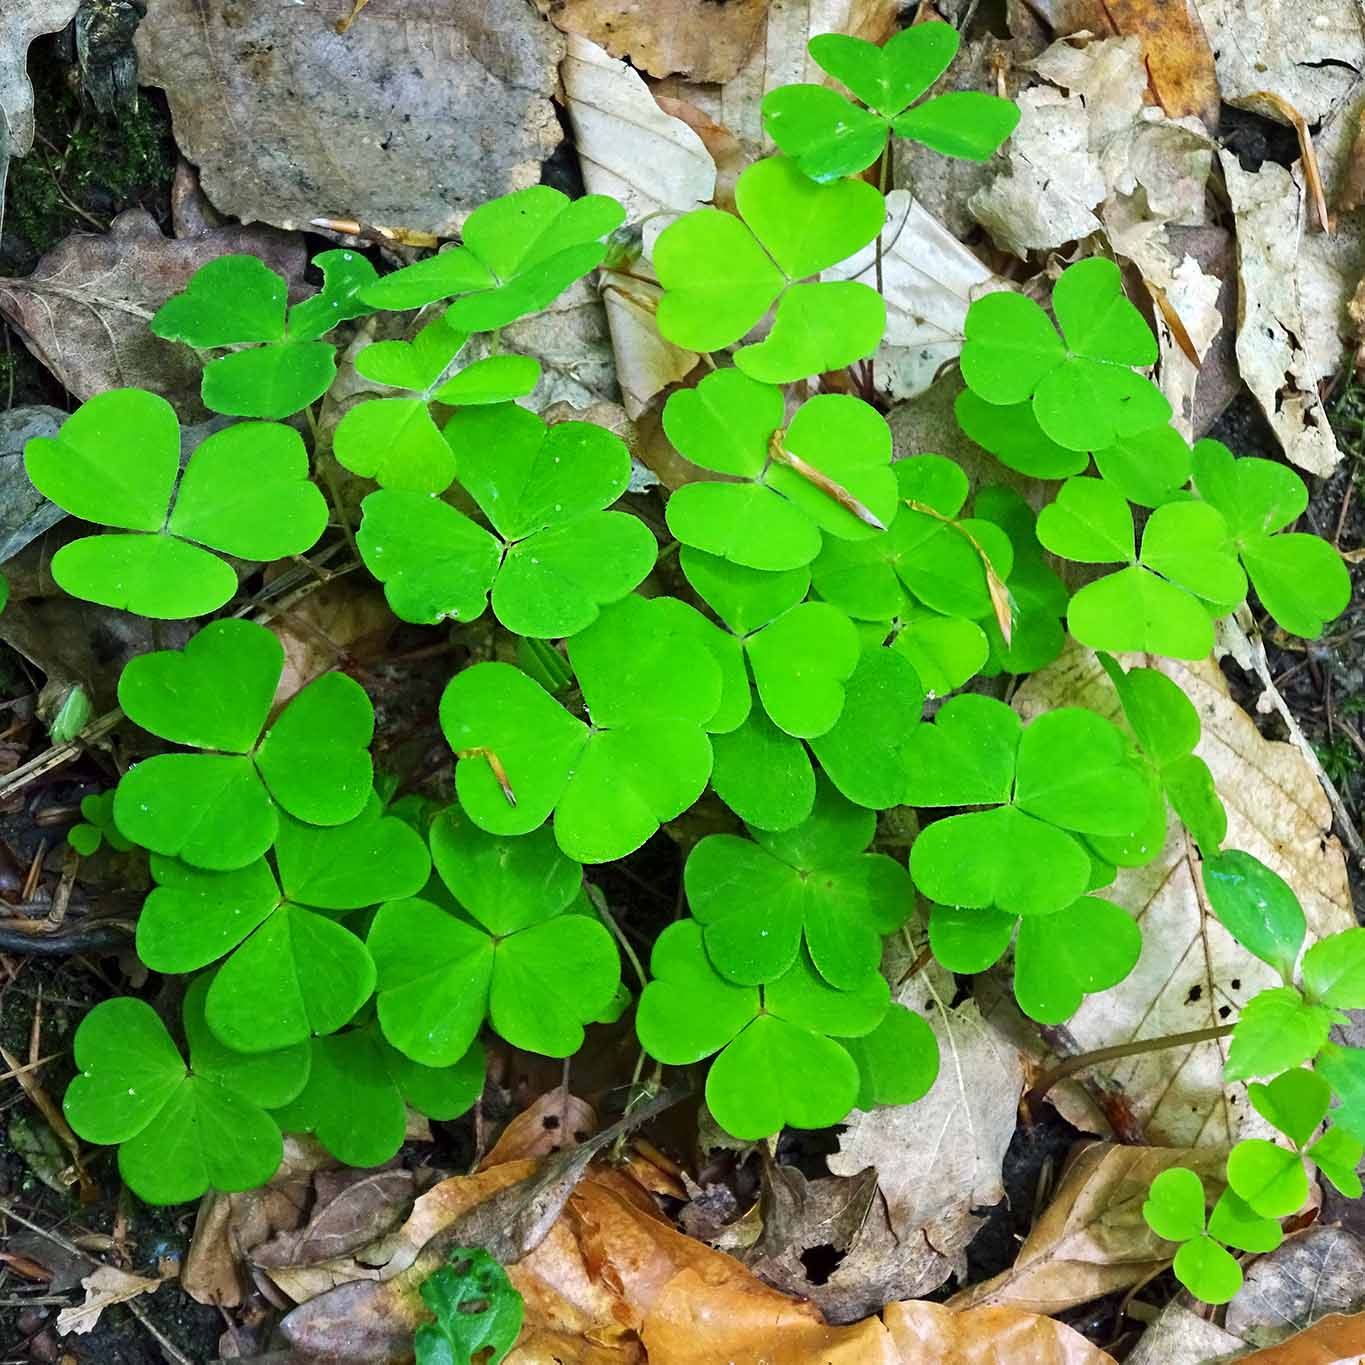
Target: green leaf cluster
(476, 1307)
(97, 827)
(116, 462)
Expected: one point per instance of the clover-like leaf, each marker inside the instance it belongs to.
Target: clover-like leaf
(1011, 433)
(650, 687)
(721, 274)
(1059, 959)
(1295, 1102)
(898, 1061)
(519, 253)
(217, 809)
(1257, 907)
(416, 365)
(1276, 1029)
(1271, 1179)
(396, 442)
(1174, 1208)
(1084, 394)
(1300, 579)
(231, 299)
(439, 976)
(969, 124)
(358, 1086)
(759, 900)
(344, 274)
(945, 651)
(763, 774)
(180, 1129)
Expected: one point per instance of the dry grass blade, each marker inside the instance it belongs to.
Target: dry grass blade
(779, 452)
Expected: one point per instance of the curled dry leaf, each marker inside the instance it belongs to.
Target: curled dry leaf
(1309, 1275)
(21, 22)
(1092, 1239)
(929, 280)
(668, 36)
(84, 310)
(420, 111)
(937, 1160)
(103, 1288)
(1192, 974)
(555, 1121)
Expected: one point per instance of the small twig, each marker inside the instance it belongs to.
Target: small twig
(18, 1071)
(61, 898)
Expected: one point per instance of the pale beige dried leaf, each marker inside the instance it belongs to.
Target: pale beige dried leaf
(1312, 1273)
(933, 1334)
(21, 21)
(1182, 1337)
(554, 1121)
(929, 280)
(1192, 974)
(701, 42)
(103, 1288)
(423, 110)
(84, 310)
(1092, 1238)
(939, 1159)
(1310, 56)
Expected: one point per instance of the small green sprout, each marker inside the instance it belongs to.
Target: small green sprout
(116, 461)
(97, 826)
(1069, 773)
(759, 899)
(1175, 1210)
(828, 470)
(520, 253)
(1081, 386)
(829, 136)
(359, 1087)
(238, 300)
(721, 274)
(781, 1059)
(477, 1310)
(180, 1129)
(396, 441)
(292, 969)
(220, 809)
(651, 687)
(510, 948)
(554, 556)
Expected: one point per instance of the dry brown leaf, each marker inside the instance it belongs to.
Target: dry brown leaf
(1336, 1340)
(1191, 973)
(1309, 1275)
(336, 626)
(1310, 57)
(423, 110)
(24, 513)
(103, 1288)
(929, 280)
(84, 310)
(20, 23)
(699, 42)
(932, 1334)
(1181, 1337)
(1092, 1239)
(937, 1160)
(554, 1121)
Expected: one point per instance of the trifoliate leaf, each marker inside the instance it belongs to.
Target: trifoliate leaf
(1270, 1178)
(1208, 1271)
(898, 1061)
(890, 77)
(827, 135)
(395, 442)
(1135, 611)
(417, 364)
(745, 599)
(966, 757)
(1011, 433)
(1188, 543)
(1234, 1222)
(275, 380)
(945, 651)
(494, 379)
(1059, 959)
(1295, 1102)
(968, 124)
(1147, 467)
(1089, 521)
(231, 299)
(1174, 1208)
(1276, 1029)
(344, 275)
(763, 774)
(800, 664)
(1337, 1156)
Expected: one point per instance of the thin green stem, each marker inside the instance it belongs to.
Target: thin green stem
(600, 903)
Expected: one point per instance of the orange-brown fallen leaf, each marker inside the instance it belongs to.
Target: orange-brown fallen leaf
(1333, 1340)
(932, 1334)
(554, 1121)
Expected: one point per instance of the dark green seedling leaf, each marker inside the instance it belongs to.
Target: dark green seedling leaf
(520, 253)
(1037, 597)
(968, 124)
(218, 809)
(651, 689)
(115, 461)
(556, 557)
(344, 274)
(1295, 1103)
(1300, 579)
(722, 274)
(1257, 907)
(898, 1061)
(829, 470)
(1271, 1179)
(1277, 1029)
(180, 1129)
(1175, 1210)
(1011, 433)
(865, 755)
(1059, 959)
(1084, 393)
(764, 774)
(1333, 969)
(439, 976)
(1148, 467)
(358, 1087)
(98, 827)
(477, 1311)
(758, 900)
(945, 651)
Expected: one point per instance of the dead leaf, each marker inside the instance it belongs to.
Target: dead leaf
(22, 22)
(24, 513)
(342, 623)
(932, 1334)
(419, 113)
(938, 1160)
(929, 280)
(1192, 974)
(1092, 1238)
(555, 1121)
(1311, 58)
(84, 310)
(668, 36)
(1309, 1275)
(1336, 1340)
(103, 1288)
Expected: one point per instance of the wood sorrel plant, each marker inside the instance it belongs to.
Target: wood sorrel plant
(822, 594)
